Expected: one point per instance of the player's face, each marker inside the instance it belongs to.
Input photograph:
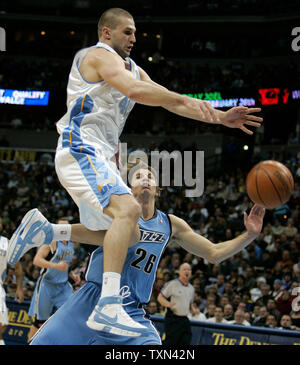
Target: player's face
(123, 37)
(143, 183)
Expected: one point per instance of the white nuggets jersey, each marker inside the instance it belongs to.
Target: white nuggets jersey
(96, 112)
(3, 263)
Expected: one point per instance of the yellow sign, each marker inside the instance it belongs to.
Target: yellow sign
(17, 155)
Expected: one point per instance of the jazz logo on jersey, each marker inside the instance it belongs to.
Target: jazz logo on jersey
(151, 236)
(64, 254)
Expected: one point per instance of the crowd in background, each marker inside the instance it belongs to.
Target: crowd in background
(154, 7)
(184, 76)
(254, 287)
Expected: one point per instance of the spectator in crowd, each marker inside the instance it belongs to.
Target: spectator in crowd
(271, 308)
(277, 289)
(239, 318)
(265, 294)
(195, 313)
(228, 312)
(256, 291)
(286, 322)
(271, 321)
(209, 311)
(261, 319)
(218, 316)
(295, 317)
(152, 308)
(284, 302)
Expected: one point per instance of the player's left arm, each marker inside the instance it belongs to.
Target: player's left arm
(216, 253)
(19, 296)
(236, 117)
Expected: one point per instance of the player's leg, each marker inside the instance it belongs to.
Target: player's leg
(67, 326)
(34, 328)
(109, 315)
(102, 197)
(61, 292)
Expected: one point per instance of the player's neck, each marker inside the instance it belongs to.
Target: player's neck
(148, 209)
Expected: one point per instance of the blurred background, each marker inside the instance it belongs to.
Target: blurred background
(231, 52)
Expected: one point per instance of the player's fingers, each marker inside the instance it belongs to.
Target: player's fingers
(246, 130)
(254, 124)
(254, 117)
(253, 110)
(262, 211)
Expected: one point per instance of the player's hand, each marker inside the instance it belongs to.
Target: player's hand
(172, 304)
(19, 295)
(62, 266)
(254, 221)
(241, 117)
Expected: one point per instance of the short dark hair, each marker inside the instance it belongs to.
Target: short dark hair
(110, 18)
(138, 165)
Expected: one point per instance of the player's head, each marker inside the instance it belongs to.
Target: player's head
(143, 181)
(116, 28)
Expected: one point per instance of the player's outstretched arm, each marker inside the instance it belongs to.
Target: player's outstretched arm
(238, 117)
(111, 68)
(216, 253)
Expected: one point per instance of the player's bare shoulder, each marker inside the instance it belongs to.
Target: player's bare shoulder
(97, 62)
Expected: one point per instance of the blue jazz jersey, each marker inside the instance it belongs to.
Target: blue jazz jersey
(63, 253)
(139, 270)
(52, 288)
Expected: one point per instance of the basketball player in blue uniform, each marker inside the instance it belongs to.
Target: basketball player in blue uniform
(52, 287)
(68, 325)
(104, 84)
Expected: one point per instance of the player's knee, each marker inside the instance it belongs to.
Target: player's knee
(133, 210)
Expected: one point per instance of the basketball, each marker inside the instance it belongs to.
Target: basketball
(270, 184)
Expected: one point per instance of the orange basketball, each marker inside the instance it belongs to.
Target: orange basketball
(270, 184)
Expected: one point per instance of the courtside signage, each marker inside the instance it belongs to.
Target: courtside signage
(24, 97)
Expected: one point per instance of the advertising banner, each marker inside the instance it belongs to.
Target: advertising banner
(19, 323)
(204, 333)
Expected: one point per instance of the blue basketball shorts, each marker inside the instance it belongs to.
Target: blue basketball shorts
(47, 297)
(67, 326)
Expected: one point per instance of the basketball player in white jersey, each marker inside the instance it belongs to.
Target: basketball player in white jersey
(104, 84)
(19, 296)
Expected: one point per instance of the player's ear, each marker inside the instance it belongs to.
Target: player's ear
(106, 33)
